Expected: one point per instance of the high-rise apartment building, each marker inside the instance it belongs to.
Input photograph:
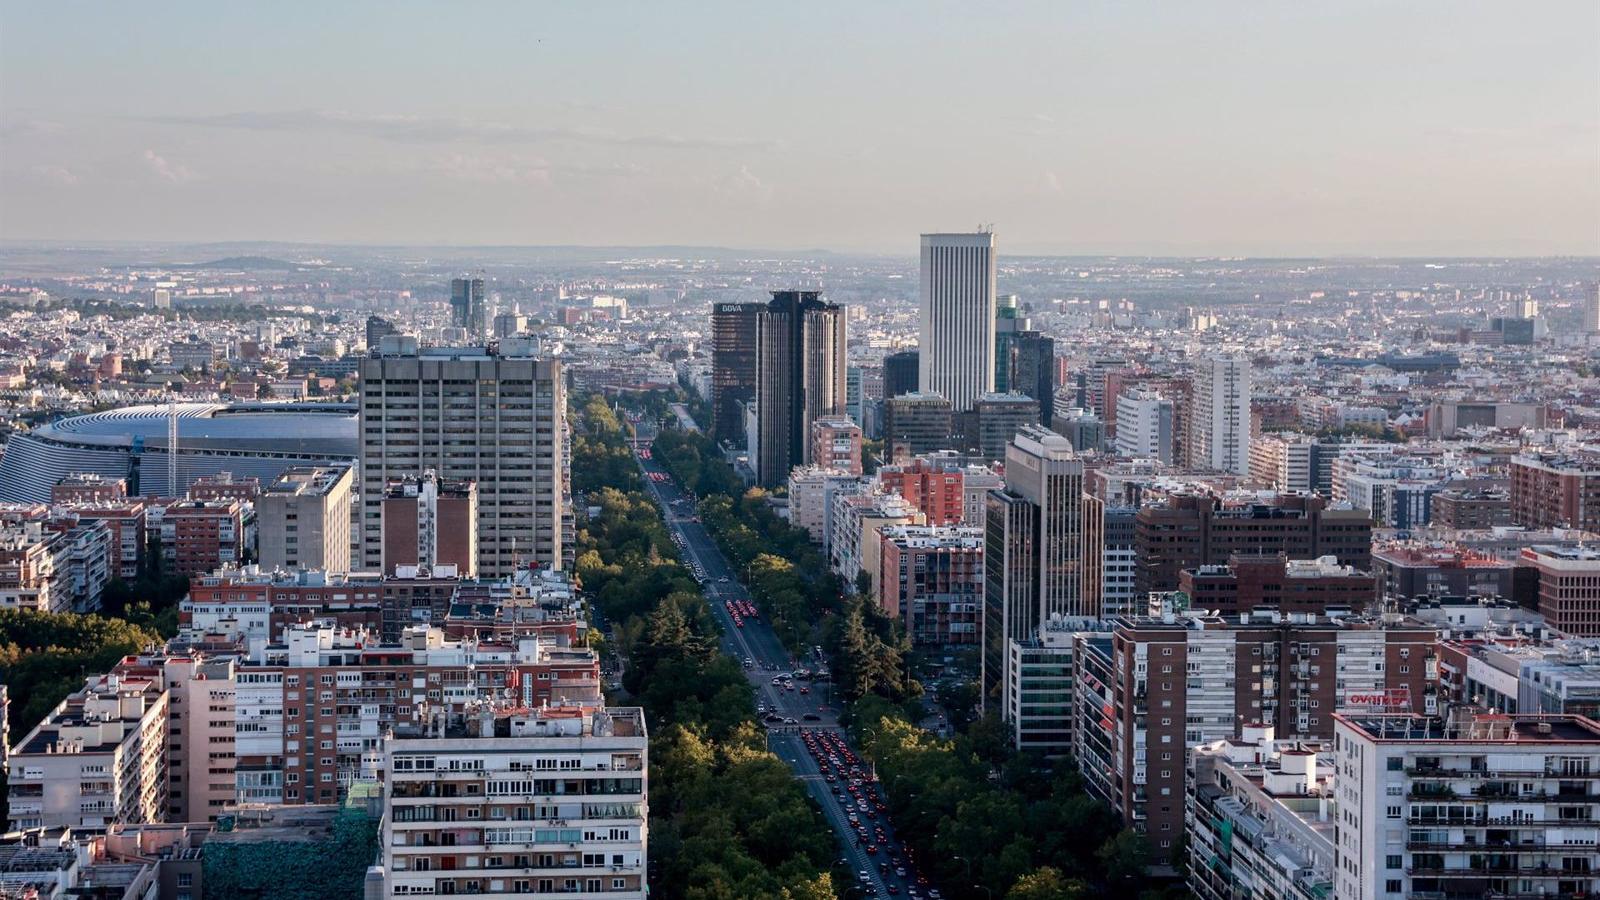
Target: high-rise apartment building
(800, 376)
(1466, 806)
(956, 358)
(1591, 309)
(900, 373)
(1219, 427)
(432, 524)
(1194, 679)
(496, 419)
(1550, 490)
(932, 581)
(934, 487)
(506, 803)
(836, 444)
(199, 537)
(1144, 425)
(469, 307)
(733, 368)
(303, 519)
(1033, 548)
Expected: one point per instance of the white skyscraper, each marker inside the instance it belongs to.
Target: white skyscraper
(1219, 429)
(957, 306)
(1144, 425)
(1591, 310)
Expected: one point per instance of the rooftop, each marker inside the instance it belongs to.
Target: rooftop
(1478, 729)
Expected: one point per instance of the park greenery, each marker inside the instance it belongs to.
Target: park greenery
(727, 819)
(46, 656)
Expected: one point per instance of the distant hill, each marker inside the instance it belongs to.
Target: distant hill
(242, 262)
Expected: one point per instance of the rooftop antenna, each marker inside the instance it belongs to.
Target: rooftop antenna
(172, 440)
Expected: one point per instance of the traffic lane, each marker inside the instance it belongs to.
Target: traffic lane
(794, 751)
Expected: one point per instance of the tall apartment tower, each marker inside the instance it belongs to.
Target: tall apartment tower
(496, 419)
(733, 368)
(1591, 309)
(1033, 547)
(1219, 428)
(800, 376)
(303, 519)
(469, 307)
(956, 358)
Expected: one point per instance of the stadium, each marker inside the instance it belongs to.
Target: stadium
(248, 439)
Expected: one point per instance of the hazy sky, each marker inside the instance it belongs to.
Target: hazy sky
(1259, 128)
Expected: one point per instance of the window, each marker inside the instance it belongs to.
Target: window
(1395, 763)
(1392, 812)
(185, 879)
(1392, 861)
(1394, 885)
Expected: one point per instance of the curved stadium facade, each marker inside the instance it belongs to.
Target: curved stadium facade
(247, 439)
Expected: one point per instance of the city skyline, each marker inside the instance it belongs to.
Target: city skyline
(1362, 130)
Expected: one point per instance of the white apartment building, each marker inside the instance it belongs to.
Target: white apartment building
(1466, 806)
(1144, 426)
(507, 803)
(811, 493)
(1259, 816)
(1284, 461)
(1219, 428)
(976, 483)
(956, 306)
(99, 758)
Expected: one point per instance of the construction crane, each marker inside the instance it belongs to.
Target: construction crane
(172, 441)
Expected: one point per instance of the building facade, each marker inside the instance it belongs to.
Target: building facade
(957, 306)
(800, 377)
(303, 519)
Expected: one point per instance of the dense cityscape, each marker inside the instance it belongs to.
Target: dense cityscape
(1034, 577)
(826, 451)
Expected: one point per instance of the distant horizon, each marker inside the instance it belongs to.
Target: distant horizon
(1026, 251)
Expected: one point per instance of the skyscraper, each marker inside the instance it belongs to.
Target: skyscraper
(899, 374)
(1591, 309)
(495, 419)
(733, 368)
(377, 328)
(1219, 428)
(957, 309)
(800, 375)
(1024, 359)
(468, 307)
(1034, 544)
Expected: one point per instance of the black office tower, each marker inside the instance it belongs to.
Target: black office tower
(733, 368)
(468, 307)
(800, 375)
(899, 374)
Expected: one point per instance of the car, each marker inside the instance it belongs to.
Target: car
(894, 889)
(722, 580)
(804, 689)
(791, 720)
(812, 717)
(900, 871)
(872, 849)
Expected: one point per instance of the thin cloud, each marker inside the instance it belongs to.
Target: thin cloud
(744, 183)
(1052, 182)
(59, 175)
(423, 129)
(170, 172)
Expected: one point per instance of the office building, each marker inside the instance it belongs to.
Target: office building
(1024, 359)
(1190, 530)
(511, 802)
(1591, 309)
(303, 519)
(957, 314)
(497, 419)
(733, 368)
(1550, 490)
(920, 422)
(99, 758)
(997, 418)
(1248, 583)
(1569, 587)
(469, 307)
(1447, 418)
(1144, 425)
(1084, 430)
(1109, 558)
(932, 582)
(1219, 428)
(377, 329)
(836, 444)
(1466, 806)
(1406, 571)
(900, 373)
(1033, 548)
(163, 299)
(430, 524)
(800, 376)
(854, 394)
(1040, 709)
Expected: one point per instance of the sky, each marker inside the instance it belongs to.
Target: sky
(1266, 129)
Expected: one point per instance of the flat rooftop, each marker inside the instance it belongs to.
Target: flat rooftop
(1483, 729)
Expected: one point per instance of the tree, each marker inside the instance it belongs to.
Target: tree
(1125, 857)
(1046, 883)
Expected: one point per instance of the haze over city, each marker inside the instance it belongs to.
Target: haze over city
(1361, 128)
